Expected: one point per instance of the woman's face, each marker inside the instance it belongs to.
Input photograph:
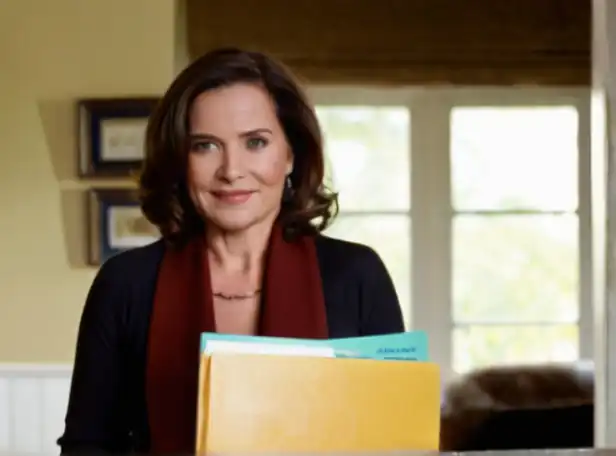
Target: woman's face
(239, 157)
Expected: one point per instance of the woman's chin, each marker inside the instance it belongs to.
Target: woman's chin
(235, 223)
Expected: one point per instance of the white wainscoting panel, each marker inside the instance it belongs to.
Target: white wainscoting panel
(33, 400)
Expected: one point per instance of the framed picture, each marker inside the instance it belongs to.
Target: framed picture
(116, 224)
(111, 135)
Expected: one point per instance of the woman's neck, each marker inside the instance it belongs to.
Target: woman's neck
(239, 252)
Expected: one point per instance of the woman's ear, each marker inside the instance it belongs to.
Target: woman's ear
(289, 164)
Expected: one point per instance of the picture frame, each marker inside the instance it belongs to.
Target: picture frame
(111, 135)
(116, 224)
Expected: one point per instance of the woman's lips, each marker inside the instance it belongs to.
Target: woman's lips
(232, 196)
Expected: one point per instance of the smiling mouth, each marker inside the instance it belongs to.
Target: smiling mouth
(234, 197)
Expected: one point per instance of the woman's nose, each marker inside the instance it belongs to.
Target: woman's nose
(231, 167)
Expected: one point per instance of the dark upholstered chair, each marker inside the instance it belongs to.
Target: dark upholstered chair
(520, 407)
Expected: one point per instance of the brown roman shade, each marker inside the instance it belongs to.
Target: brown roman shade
(493, 42)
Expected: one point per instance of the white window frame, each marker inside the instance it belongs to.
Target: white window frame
(431, 206)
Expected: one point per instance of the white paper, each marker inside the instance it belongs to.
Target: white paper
(259, 348)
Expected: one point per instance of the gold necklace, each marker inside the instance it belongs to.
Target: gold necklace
(236, 297)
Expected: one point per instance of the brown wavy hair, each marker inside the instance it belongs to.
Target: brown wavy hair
(307, 210)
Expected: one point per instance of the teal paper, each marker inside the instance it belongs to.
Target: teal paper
(410, 346)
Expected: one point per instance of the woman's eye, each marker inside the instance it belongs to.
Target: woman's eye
(256, 143)
(204, 146)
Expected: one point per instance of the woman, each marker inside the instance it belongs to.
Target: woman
(233, 179)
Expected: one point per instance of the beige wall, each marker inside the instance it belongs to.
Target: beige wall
(51, 53)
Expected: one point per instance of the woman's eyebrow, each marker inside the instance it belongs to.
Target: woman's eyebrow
(256, 131)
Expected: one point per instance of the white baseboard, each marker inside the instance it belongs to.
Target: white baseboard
(33, 400)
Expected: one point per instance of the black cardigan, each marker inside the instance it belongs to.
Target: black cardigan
(107, 405)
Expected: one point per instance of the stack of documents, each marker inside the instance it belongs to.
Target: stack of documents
(410, 346)
(260, 394)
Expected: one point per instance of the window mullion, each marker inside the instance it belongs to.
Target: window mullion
(431, 262)
(586, 321)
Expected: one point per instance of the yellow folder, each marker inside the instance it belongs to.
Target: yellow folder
(272, 403)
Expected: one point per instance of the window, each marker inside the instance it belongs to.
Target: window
(498, 185)
(369, 165)
(515, 234)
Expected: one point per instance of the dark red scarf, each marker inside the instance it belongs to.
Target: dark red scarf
(293, 306)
